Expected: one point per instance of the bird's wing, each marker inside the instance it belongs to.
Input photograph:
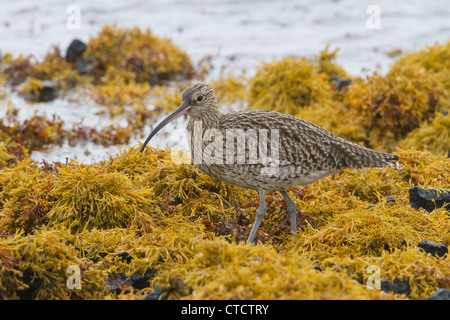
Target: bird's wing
(304, 144)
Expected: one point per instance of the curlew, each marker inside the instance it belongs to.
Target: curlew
(264, 150)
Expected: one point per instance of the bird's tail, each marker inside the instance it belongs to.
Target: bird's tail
(382, 159)
(360, 157)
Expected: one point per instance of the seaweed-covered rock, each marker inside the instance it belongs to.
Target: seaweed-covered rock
(433, 135)
(388, 107)
(39, 91)
(429, 199)
(138, 55)
(435, 249)
(288, 85)
(440, 294)
(85, 197)
(387, 110)
(36, 267)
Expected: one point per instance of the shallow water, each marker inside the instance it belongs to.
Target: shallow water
(239, 34)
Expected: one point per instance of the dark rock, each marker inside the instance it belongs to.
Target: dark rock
(33, 282)
(124, 256)
(75, 50)
(397, 286)
(435, 249)
(440, 294)
(140, 282)
(116, 282)
(155, 294)
(48, 92)
(428, 198)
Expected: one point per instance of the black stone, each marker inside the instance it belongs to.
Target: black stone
(440, 294)
(397, 286)
(75, 50)
(140, 282)
(124, 256)
(34, 283)
(435, 249)
(428, 198)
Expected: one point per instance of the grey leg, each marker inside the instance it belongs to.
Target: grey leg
(292, 210)
(260, 212)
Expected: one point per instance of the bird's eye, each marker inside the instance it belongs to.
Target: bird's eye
(199, 98)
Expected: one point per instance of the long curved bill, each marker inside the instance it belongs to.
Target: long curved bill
(182, 109)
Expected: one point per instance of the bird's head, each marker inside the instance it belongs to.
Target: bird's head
(197, 101)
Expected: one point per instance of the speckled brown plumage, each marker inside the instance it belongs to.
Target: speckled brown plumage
(305, 152)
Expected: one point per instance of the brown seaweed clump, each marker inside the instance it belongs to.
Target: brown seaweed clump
(36, 267)
(287, 85)
(220, 270)
(31, 72)
(434, 135)
(86, 198)
(142, 55)
(388, 107)
(38, 132)
(293, 84)
(24, 199)
(32, 133)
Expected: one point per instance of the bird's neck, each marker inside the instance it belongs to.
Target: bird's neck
(208, 120)
(197, 128)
